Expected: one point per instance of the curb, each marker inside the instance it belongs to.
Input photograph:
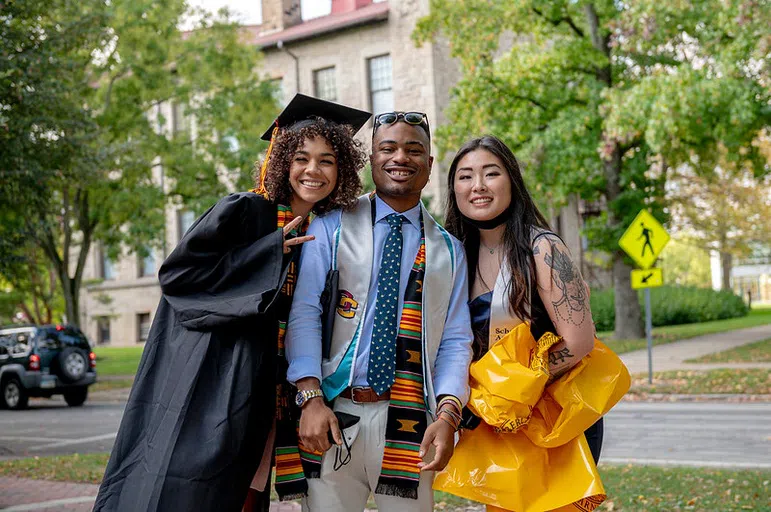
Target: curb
(682, 397)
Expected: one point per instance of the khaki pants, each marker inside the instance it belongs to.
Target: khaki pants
(348, 488)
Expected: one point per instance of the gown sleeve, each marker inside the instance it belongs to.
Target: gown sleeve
(228, 265)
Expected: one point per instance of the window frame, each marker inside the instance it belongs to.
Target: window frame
(319, 86)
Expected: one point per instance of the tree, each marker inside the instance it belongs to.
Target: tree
(603, 98)
(104, 167)
(728, 210)
(685, 262)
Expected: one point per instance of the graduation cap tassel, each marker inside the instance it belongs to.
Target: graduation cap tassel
(264, 169)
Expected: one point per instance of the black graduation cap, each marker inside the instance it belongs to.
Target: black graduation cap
(304, 107)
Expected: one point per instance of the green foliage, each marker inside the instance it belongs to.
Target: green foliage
(90, 152)
(604, 98)
(673, 305)
(686, 263)
(662, 82)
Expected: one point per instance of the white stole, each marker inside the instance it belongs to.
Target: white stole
(353, 253)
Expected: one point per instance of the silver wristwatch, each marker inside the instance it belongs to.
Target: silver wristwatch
(303, 396)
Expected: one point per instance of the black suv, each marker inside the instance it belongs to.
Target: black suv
(43, 361)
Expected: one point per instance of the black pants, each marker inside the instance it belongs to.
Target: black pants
(594, 439)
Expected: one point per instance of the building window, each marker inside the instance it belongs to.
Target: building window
(147, 264)
(180, 122)
(143, 321)
(185, 219)
(107, 266)
(380, 92)
(103, 330)
(324, 84)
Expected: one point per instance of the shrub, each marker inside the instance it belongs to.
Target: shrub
(673, 305)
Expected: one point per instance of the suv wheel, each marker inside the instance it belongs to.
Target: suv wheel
(76, 396)
(72, 364)
(13, 395)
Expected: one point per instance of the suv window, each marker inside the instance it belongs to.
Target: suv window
(68, 336)
(15, 343)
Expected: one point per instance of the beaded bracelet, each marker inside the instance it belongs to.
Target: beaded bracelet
(454, 415)
(449, 399)
(453, 420)
(454, 427)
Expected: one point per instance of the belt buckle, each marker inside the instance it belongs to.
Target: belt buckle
(353, 393)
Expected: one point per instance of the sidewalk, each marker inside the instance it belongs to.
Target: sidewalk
(21, 494)
(672, 356)
(17, 494)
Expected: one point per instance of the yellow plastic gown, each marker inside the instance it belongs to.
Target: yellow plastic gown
(528, 455)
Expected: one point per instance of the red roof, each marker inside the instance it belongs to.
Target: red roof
(319, 26)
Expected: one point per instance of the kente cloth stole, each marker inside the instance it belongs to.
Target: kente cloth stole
(407, 420)
(292, 464)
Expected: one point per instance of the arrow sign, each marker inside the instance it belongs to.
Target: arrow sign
(650, 278)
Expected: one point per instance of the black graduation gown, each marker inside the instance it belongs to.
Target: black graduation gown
(203, 401)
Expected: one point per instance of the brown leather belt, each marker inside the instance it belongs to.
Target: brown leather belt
(362, 395)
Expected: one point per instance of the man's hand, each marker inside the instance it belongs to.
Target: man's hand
(441, 435)
(315, 422)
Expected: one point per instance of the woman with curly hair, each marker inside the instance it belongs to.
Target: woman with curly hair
(210, 404)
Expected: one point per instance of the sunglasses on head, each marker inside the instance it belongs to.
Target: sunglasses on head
(413, 118)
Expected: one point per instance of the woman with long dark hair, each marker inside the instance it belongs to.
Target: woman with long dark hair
(520, 273)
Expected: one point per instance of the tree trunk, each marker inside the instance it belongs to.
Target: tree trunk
(726, 264)
(71, 306)
(629, 323)
(628, 319)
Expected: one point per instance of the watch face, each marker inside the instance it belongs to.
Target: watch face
(299, 399)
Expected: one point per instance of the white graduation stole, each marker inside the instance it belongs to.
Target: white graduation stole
(352, 255)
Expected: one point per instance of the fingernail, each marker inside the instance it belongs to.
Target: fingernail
(420, 453)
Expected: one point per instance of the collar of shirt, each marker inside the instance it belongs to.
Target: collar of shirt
(382, 210)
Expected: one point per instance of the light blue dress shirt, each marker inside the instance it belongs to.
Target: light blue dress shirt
(303, 337)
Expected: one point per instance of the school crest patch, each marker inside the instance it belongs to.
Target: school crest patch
(347, 306)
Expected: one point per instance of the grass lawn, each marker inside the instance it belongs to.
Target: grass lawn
(758, 352)
(117, 360)
(85, 468)
(105, 385)
(670, 333)
(648, 488)
(748, 381)
(629, 488)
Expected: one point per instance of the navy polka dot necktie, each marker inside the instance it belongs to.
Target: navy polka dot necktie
(382, 349)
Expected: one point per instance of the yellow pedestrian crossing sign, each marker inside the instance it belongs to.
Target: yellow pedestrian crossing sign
(649, 278)
(644, 239)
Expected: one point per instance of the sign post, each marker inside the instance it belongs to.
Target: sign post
(643, 241)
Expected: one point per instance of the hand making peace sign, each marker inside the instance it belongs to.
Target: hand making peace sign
(296, 240)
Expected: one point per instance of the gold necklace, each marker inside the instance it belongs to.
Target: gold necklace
(491, 249)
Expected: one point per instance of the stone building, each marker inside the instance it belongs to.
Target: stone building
(362, 55)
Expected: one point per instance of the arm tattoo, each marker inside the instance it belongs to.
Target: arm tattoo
(559, 356)
(572, 304)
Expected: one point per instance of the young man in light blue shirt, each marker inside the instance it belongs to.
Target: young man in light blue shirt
(359, 375)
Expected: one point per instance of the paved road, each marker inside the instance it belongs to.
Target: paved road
(709, 434)
(700, 434)
(50, 427)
